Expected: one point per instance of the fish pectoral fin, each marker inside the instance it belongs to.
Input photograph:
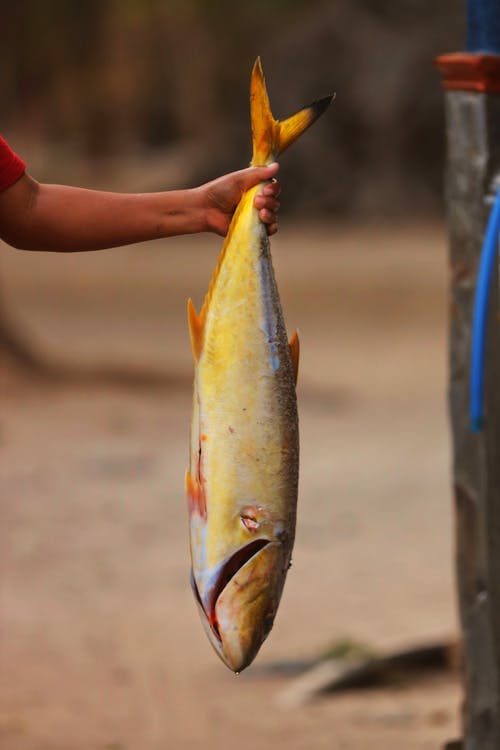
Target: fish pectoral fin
(196, 330)
(195, 496)
(294, 344)
(189, 483)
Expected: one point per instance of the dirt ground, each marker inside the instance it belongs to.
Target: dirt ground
(100, 643)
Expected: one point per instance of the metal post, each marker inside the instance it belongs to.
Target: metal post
(471, 81)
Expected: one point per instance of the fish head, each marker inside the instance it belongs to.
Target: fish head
(238, 594)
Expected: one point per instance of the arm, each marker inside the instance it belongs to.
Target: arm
(35, 216)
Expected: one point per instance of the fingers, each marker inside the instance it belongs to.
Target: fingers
(266, 173)
(251, 176)
(269, 218)
(267, 208)
(271, 189)
(267, 201)
(267, 204)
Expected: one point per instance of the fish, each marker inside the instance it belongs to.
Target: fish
(242, 480)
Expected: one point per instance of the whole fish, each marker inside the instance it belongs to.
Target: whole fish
(242, 480)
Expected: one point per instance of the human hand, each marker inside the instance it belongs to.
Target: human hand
(223, 195)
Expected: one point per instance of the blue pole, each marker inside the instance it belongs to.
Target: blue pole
(486, 268)
(483, 26)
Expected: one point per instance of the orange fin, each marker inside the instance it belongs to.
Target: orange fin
(295, 353)
(196, 329)
(195, 496)
(189, 483)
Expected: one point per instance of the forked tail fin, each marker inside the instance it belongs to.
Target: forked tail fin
(271, 137)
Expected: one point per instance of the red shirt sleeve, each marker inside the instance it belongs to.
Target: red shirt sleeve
(11, 165)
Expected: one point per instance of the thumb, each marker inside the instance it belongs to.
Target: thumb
(253, 175)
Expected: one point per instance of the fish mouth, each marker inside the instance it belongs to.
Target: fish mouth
(226, 572)
(238, 609)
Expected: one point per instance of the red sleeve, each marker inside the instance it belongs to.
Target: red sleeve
(11, 165)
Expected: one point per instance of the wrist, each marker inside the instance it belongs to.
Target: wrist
(181, 212)
(198, 208)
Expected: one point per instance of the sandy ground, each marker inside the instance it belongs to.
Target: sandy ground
(101, 647)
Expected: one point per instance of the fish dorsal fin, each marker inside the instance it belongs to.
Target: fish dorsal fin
(270, 136)
(294, 344)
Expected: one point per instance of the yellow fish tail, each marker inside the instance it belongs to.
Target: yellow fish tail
(270, 136)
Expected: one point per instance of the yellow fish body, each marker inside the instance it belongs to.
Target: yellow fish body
(242, 480)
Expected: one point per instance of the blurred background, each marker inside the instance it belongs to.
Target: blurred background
(109, 81)
(100, 644)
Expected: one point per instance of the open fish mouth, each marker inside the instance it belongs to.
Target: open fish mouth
(238, 609)
(226, 572)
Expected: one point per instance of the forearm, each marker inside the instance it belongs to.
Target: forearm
(59, 218)
(68, 219)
